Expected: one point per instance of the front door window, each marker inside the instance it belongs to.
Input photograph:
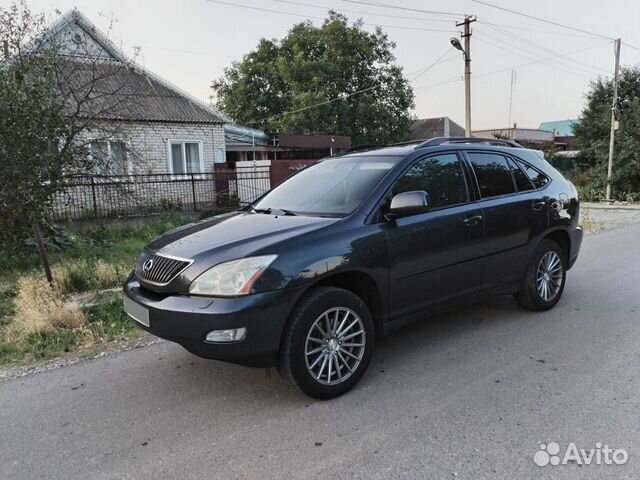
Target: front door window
(441, 176)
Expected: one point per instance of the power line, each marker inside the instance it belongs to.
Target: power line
(521, 65)
(446, 60)
(541, 19)
(557, 64)
(397, 7)
(361, 12)
(358, 92)
(631, 46)
(259, 9)
(326, 102)
(445, 82)
(546, 32)
(542, 60)
(514, 36)
(426, 69)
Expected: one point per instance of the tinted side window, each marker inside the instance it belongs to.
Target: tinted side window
(440, 176)
(522, 180)
(493, 174)
(538, 178)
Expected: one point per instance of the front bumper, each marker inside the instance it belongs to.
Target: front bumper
(186, 320)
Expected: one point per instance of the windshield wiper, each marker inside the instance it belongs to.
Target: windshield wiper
(287, 212)
(260, 210)
(269, 211)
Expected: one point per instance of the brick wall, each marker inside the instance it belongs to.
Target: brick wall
(148, 143)
(148, 154)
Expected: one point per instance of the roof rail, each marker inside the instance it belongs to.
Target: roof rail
(490, 141)
(408, 142)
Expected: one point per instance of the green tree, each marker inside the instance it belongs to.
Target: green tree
(31, 119)
(49, 103)
(592, 134)
(333, 79)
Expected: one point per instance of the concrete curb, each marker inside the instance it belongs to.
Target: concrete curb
(614, 206)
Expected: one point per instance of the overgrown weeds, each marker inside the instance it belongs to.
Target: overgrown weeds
(40, 308)
(40, 322)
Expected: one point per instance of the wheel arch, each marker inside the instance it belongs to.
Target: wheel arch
(562, 238)
(359, 283)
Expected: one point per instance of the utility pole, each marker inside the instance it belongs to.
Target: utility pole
(5, 49)
(513, 81)
(468, 20)
(614, 120)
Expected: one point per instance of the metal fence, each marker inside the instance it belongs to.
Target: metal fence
(102, 196)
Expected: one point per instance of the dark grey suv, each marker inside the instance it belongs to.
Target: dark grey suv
(354, 247)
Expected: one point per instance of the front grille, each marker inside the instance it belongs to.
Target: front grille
(158, 269)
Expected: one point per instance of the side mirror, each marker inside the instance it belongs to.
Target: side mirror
(409, 203)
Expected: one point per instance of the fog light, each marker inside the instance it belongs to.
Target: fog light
(226, 336)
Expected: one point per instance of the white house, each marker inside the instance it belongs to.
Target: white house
(165, 130)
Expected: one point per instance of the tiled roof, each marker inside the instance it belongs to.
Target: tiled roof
(122, 91)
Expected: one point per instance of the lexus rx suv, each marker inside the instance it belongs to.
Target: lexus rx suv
(350, 249)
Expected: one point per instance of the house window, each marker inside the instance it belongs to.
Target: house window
(185, 157)
(109, 157)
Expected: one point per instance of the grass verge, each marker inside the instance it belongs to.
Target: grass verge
(39, 323)
(102, 322)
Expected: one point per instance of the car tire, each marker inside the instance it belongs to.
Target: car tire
(545, 277)
(326, 366)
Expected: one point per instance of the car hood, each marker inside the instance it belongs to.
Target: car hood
(237, 235)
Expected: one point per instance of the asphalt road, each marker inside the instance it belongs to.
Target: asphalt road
(469, 394)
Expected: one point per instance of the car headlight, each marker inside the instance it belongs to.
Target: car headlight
(232, 278)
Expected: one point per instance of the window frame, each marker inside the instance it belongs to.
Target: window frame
(127, 159)
(475, 177)
(518, 161)
(175, 141)
(514, 159)
(378, 217)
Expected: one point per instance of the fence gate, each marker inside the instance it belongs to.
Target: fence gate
(253, 179)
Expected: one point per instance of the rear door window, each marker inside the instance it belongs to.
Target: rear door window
(493, 173)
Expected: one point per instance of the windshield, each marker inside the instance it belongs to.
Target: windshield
(334, 187)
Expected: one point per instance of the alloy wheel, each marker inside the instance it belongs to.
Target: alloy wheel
(335, 345)
(549, 276)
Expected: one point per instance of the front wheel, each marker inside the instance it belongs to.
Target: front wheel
(545, 278)
(328, 343)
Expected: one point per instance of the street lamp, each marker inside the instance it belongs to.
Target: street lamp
(455, 43)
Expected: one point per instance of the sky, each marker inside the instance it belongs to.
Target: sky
(190, 42)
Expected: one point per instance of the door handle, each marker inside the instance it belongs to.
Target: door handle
(471, 221)
(538, 205)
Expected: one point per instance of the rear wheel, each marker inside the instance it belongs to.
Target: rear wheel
(328, 343)
(545, 277)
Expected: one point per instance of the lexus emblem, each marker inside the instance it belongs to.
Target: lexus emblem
(146, 266)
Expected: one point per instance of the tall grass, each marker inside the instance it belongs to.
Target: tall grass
(40, 308)
(37, 321)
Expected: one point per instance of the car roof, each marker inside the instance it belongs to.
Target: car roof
(535, 157)
(391, 151)
(403, 150)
